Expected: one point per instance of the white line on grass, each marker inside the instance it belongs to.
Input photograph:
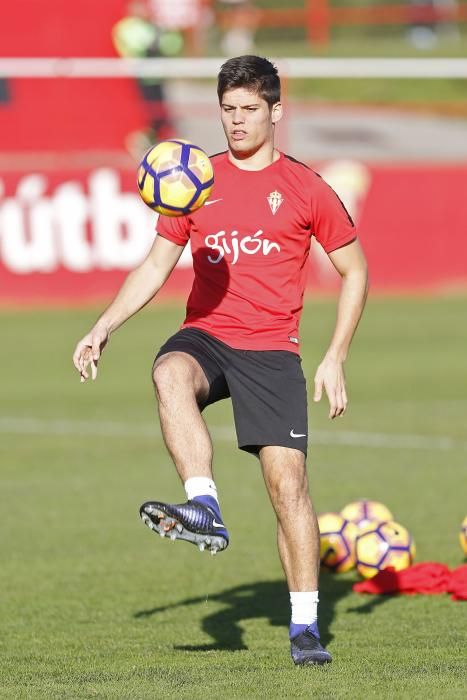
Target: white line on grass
(38, 426)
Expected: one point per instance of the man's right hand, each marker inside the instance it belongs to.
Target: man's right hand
(139, 287)
(89, 350)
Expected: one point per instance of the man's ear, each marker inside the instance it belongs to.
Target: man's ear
(276, 112)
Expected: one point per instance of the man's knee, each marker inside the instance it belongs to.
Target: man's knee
(176, 374)
(287, 481)
(291, 491)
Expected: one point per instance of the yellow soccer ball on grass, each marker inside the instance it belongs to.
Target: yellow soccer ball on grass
(381, 545)
(463, 536)
(337, 542)
(364, 511)
(175, 177)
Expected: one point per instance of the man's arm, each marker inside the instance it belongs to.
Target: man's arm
(350, 262)
(141, 285)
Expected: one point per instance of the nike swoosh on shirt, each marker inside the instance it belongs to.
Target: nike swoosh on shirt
(296, 435)
(212, 201)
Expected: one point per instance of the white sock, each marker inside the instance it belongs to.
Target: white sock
(304, 607)
(200, 486)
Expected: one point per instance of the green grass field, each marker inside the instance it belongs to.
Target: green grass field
(94, 605)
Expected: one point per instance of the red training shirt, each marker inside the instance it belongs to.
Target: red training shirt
(250, 244)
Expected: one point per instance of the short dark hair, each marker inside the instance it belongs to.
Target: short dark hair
(252, 72)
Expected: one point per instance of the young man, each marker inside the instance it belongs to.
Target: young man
(240, 338)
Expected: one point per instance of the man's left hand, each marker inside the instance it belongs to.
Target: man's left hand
(330, 375)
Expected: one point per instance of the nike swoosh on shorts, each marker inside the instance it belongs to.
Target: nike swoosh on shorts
(296, 435)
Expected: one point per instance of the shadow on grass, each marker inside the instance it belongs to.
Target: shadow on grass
(263, 599)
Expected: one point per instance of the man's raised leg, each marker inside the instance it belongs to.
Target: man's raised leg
(181, 386)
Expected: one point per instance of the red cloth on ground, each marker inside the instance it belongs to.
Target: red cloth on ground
(458, 583)
(428, 578)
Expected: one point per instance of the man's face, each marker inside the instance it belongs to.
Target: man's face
(247, 120)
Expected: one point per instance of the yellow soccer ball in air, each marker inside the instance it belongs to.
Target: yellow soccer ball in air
(337, 542)
(175, 177)
(380, 545)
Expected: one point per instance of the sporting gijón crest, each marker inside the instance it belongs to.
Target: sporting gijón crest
(275, 199)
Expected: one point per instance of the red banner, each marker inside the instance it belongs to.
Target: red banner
(73, 236)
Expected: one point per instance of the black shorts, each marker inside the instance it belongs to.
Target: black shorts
(267, 388)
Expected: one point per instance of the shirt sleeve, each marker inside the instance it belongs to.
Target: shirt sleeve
(175, 228)
(332, 224)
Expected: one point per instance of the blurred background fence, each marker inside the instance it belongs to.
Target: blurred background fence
(86, 88)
